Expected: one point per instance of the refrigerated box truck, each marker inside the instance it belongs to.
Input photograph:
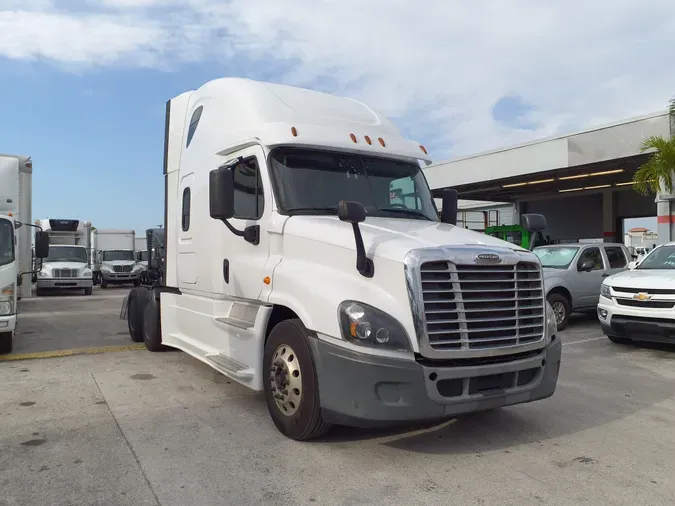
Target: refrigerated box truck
(68, 265)
(293, 267)
(114, 257)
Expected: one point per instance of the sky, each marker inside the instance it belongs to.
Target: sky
(84, 82)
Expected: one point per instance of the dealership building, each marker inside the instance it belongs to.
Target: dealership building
(580, 182)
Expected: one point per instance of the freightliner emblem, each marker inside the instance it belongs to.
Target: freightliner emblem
(642, 296)
(487, 257)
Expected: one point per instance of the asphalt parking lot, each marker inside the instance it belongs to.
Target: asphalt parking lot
(133, 427)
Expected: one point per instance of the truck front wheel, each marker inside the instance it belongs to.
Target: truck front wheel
(290, 382)
(5, 342)
(561, 309)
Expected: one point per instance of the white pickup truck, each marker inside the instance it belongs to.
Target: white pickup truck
(639, 304)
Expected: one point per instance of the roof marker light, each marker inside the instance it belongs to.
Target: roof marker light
(368, 141)
(353, 137)
(424, 150)
(294, 131)
(381, 142)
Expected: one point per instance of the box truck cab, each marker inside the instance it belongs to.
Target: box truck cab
(114, 257)
(10, 272)
(67, 266)
(294, 267)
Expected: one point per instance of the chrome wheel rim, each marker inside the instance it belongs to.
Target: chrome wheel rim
(559, 312)
(286, 380)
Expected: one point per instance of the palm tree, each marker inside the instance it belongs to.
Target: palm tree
(658, 170)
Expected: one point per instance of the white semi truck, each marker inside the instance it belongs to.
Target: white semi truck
(68, 265)
(16, 253)
(292, 265)
(114, 257)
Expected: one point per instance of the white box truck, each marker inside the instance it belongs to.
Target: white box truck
(291, 268)
(114, 257)
(68, 265)
(16, 253)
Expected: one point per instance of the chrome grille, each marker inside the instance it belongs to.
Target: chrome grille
(122, 268)
(65, 273)
(474, 307)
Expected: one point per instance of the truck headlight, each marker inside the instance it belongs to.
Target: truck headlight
(44, 274)
(7, 300)
(86, 273)
(364, 325)
(105, 268)
(604, 291)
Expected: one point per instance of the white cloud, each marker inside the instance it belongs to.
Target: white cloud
(441, 65)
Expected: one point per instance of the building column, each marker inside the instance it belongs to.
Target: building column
(517, 212)
(609, 231)
(665, 220)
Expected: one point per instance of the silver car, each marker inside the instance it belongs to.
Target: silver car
(573, 274)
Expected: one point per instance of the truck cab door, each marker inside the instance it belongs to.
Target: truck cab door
(245, 265)
(588, 282)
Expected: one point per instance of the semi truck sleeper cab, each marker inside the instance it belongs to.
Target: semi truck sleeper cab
(304, 257)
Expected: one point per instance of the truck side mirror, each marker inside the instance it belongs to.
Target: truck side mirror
(355, 213)
(587, 266)
(533, 222)
(41, 244)
(221, 193)
(449, 210)
(351, 212)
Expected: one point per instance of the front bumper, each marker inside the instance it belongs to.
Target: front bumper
(120, 277)
(636, 324)
(368, 391)
(7, 323)
(62, 283)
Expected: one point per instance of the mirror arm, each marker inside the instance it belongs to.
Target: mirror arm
(364, 265)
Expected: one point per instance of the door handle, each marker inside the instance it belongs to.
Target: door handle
(226, 270)
(605, 275)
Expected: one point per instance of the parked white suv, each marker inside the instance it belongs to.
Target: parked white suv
(639, 304)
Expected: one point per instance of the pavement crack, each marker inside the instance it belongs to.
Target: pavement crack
(131, 448)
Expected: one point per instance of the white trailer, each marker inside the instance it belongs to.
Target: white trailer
(68, 265)
(114, 257)
(141, 248)
(293, 267)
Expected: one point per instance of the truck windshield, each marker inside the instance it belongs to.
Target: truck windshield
(67, 254)
(6, 242)
(557, 257)
(662, 257)
(113, 255)
(310, 181)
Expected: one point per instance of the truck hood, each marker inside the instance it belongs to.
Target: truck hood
(390, 238)
(65, 265)
(111, 263)
(644, 278)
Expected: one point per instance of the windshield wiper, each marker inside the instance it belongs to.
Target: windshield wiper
(312, 210)
(411, 212)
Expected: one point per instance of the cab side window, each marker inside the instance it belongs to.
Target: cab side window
(594, 255)
(185, 213)
(616, 257)
(249, 200)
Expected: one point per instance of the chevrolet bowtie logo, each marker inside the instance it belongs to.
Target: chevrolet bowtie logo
(642, 296)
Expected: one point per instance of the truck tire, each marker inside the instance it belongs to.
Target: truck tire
(5, 343)
(89, 290)
(40, 292)
(290, 383)
(152, 330)
(561, 309)
(138, 297)
(137, 282)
